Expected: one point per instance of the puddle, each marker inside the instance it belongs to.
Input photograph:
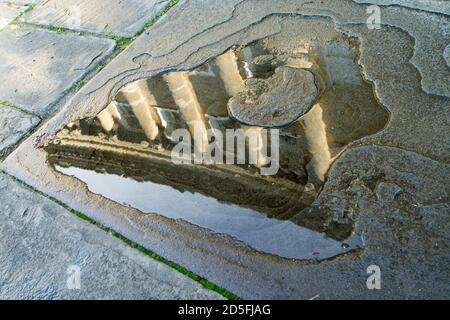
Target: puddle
(309, 91)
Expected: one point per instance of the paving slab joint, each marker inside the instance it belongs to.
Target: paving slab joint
(16, 21)
(186, 272)
(13, 106)
(121, 44)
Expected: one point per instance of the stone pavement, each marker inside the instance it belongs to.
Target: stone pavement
(393, 185)
(8, 13)
(110, 17)
(42, 241)
(40, 66)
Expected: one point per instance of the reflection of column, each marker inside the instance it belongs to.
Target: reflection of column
(142, 102)
(186, 99)
(108, 115)
(233, 82)
(257, 145)
(316, 137)
(229, 73)
(248, 61)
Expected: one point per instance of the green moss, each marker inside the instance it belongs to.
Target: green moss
(171, 4)
(204, 282)
(13, 106)
(122, 42)
(7, 104)
(60, 29)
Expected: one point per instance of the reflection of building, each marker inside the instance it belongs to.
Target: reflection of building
(200, 97)
(274, 196)
(133, 135)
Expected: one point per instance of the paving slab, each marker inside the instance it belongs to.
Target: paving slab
(8, 12)
(14, 124)
(38, 66)
(440, 6)
(394, 183)
(122, 18)
(22, 2)
(43, 245)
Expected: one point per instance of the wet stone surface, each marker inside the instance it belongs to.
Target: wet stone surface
(123, 18)
(284, 97)
(41, 241)
(8, 12)
(38, 66)
(14, 124)
(440, 6)
(390, 187)
(21, 2)
(313, 92)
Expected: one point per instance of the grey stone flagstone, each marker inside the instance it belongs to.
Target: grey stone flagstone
(122, 18)
(38, 66)
(8, 12)
(43, 245)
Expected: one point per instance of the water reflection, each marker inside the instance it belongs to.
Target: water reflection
(124, 152)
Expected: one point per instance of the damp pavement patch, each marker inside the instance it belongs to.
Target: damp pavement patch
(14, 124)
(123, 18)
(38, 66)
(43, 244)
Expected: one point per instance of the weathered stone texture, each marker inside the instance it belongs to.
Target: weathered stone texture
(8, 12)
(14, 124)
(21, 2)
(38, 66)
(393, 185)
(41, 240)
(122, 18)
(292, 93)
(441, 6)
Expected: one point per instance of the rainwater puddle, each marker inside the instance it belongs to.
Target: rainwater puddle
(308, 93)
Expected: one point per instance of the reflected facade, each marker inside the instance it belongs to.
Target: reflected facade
(128, 145)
